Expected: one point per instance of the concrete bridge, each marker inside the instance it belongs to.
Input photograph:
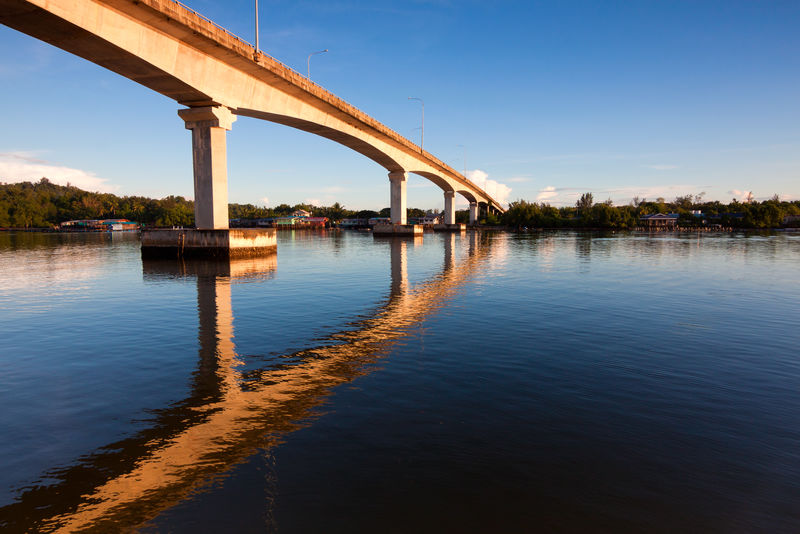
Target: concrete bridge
(177, 52)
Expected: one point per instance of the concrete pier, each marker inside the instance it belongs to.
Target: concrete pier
(209, 126)
(449, 207)
(209, 243)
(455, 227)
(473, 213)
(397, 201)
(397, 230)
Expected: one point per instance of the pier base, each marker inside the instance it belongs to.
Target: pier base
(219, 243)
(397, 230)
(456, 227)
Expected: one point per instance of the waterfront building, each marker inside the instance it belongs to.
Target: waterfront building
(791, 220)
(314, 222)
(283, 222)
(293, 221)
(354, 223)
(99, 225)
(659, 220)
(431, 218)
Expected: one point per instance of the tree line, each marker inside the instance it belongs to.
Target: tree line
(588, 214)
(44, 204)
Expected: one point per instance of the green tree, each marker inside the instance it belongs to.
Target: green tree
(491, 219)
(683, 203)
(366, 214)
(585, 202)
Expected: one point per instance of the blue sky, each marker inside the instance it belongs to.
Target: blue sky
(550, 99)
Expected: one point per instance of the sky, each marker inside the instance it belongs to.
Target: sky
(541, 101)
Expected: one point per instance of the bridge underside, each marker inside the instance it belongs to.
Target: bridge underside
(173, 51)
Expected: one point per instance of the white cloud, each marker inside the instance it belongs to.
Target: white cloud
(519, 179)
(264, 201)
(566, 196)
(623, 195)
(547, 193)
(26, 167)
(740, 195)
(660, 167)
(494, 189)
(502, 194)
(477, 177)
(313, 201)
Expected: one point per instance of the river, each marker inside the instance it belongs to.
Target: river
(482, 382)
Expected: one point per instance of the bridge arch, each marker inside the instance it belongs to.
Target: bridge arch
(334, 134)
(444, 183)
(468, 195)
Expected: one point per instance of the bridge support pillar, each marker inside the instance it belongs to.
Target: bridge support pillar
(209, 126)
(449, 207)
(449, 224)
(211, 237)
(473, 213)
(398, 198)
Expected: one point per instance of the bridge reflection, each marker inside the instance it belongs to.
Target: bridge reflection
(231, 413)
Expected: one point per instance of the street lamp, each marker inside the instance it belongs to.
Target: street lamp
(422, 133)
(308, 62)
(465, 159)
(256, 54)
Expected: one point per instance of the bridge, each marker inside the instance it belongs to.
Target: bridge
(217, 76)
(232, 414)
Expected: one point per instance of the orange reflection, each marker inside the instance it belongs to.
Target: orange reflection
(232, 414)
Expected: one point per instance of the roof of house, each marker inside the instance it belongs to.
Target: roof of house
(660, 216)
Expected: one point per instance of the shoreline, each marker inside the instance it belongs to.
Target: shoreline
(638, 230)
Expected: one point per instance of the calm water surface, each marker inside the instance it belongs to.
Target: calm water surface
(466, 383)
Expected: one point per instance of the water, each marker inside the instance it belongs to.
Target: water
(474, 383)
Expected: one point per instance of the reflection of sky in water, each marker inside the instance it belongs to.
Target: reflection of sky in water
(48, 272)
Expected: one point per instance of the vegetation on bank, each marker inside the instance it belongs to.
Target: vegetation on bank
(692, 211)
(44, 204)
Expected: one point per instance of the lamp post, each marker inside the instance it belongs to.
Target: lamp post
(422, 133)
(465, 159)
(256, 54)
(308, 62)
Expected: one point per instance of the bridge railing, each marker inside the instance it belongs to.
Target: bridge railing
(236, 37)
(198, 14)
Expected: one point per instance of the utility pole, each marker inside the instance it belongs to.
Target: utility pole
(422, 134)
(308, 62)
(256, 54)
